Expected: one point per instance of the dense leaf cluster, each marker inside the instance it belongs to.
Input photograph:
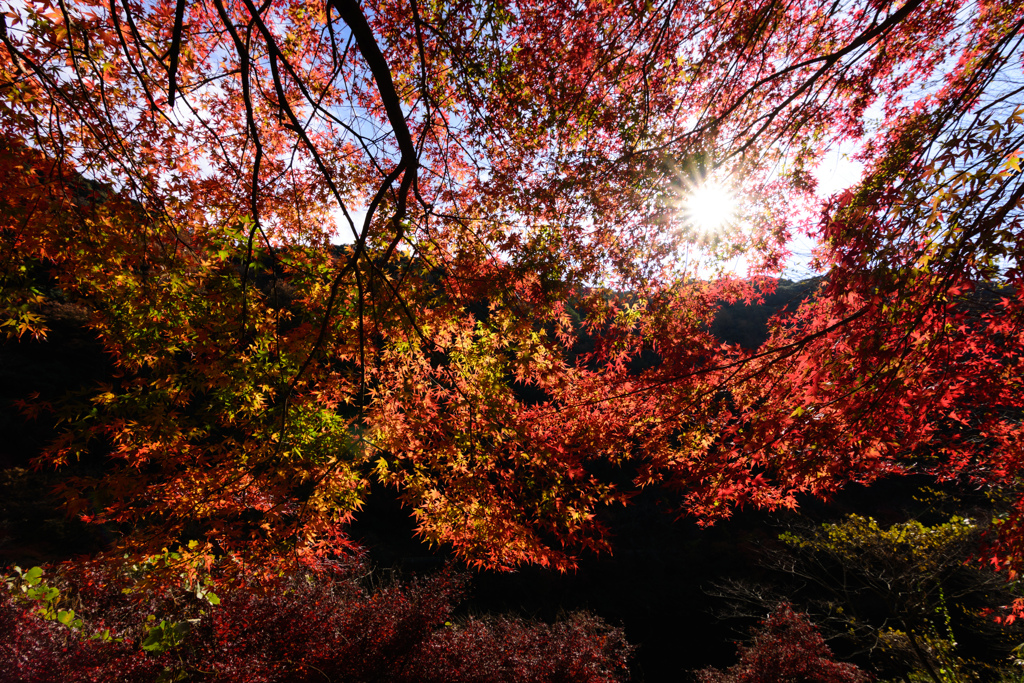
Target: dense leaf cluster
(786, 649)
(300, 627)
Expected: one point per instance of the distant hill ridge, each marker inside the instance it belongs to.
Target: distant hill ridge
(747, 324)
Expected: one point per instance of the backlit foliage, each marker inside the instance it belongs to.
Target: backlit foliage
(509, 178)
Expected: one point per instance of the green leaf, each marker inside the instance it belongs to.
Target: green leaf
(178, 630)
(43, 593)
(164, 636)
(33, 576)
(154, 640)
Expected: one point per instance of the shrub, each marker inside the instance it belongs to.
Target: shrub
(37, 650)
(787, 649)
(503, 650)
(304, 626)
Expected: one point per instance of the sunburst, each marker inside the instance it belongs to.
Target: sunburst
(709, 207)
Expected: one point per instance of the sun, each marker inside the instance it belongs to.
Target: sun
(709, 207)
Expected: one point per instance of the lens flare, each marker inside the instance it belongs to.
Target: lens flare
(710, 207)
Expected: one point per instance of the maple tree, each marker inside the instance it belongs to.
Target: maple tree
(509, 177)
(786, 649)
(908, 599)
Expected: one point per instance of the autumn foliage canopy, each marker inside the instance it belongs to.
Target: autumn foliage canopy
(428, 244)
